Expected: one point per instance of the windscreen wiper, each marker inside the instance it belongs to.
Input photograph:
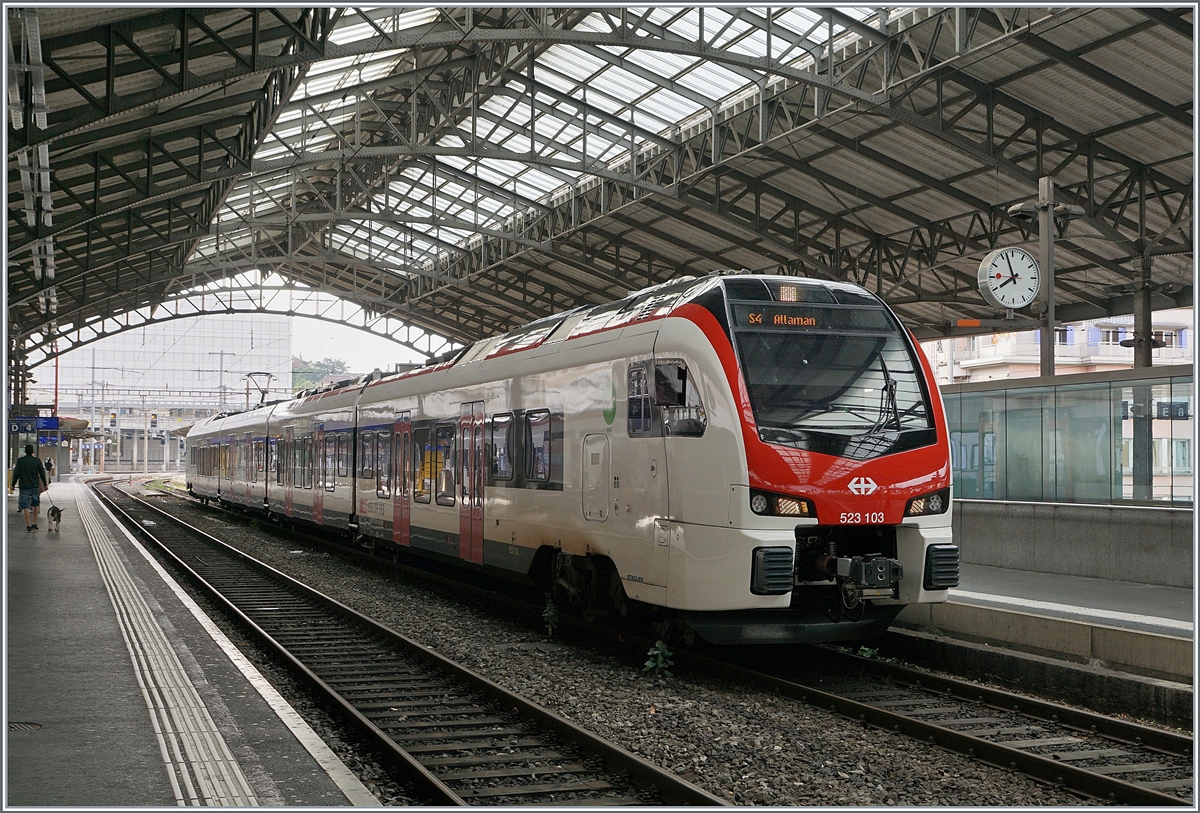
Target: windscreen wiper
(889, 393)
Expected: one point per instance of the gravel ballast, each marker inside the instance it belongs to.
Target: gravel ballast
(740, 743)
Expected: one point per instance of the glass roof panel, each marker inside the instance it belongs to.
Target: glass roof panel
(650, 91)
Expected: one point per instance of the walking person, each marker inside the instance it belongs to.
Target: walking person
(50, 469)
(30, 475)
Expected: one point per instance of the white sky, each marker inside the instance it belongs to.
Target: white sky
(314, 340)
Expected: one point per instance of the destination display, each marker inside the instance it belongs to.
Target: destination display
(770, 315)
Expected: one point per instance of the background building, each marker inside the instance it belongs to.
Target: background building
(1085, 347)
(156, 379)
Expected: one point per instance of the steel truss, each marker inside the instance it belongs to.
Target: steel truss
(385, 202)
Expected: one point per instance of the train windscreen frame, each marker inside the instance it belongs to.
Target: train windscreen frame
(831, 378)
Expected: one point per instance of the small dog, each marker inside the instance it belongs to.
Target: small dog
(53, 517)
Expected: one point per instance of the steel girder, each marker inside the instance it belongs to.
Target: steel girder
(135, 105)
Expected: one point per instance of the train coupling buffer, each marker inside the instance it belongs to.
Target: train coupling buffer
(874, 577)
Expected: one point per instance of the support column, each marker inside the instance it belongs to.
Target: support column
(1143, 401)
(1046, 261)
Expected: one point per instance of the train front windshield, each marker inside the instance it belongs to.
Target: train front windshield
(828, 378)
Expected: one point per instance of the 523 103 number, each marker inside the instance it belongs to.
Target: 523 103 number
(855, 518)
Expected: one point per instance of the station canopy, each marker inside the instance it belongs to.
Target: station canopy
(441, 175)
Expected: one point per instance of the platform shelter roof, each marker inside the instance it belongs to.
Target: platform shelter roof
(444, 174)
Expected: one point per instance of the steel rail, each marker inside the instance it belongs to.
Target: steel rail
(1110, 727)
(671, 789)
(996, 754)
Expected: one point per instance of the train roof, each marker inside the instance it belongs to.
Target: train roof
(653, 302)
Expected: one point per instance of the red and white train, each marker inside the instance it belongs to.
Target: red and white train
(762, 458)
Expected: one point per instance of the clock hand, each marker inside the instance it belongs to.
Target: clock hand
(1013, 278)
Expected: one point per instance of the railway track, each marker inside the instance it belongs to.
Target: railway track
(458, 737)
(1102, 757)
(1098, 756)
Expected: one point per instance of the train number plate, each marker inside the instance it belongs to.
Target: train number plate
(857, 518)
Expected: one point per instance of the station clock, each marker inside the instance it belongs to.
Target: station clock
(1009, 278)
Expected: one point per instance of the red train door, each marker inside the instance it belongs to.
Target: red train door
(289, 469)
(470, 489)
(317, 460)
(402, 482)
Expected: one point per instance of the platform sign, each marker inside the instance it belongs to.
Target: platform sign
(47, 440)
(1173, 410)
(47, 423)
(21, 426)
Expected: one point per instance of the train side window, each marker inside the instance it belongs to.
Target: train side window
(537, 446)
(309, 462)
(343, 454)
(444, 463)
(368, 456)
(383, 464)
(331, 443)
(276, 463)
(639, 402)
(677, 395)
(423, 460)
(502, 435)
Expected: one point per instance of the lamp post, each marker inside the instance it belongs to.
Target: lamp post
(1049, 215)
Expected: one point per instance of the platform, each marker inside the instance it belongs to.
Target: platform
(1127, 605)
(122, 693)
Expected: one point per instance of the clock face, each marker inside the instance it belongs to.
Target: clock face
(1009, 278)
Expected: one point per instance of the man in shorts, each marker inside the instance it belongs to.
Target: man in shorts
(30, 475)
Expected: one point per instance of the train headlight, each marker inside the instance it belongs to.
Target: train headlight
(935, 503)
(778, 505)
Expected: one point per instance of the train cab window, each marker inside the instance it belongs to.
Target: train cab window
(383, 464)
(367, 456)
(639, 402)
(679, 399)
(444, 463)
(256, 463)
(343, 454)
(225, 460)
(330, 461)
(537, 446)
(502, 436)
(423, 460)
(277, 460)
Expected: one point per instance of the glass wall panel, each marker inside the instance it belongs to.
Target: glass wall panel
(980, 471)
(1084, 427)
(1032, 447)
(1183, 413)
(1092, 442)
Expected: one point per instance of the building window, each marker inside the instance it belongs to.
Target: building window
(537, 446)
(502, 467)
(1181, 456)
